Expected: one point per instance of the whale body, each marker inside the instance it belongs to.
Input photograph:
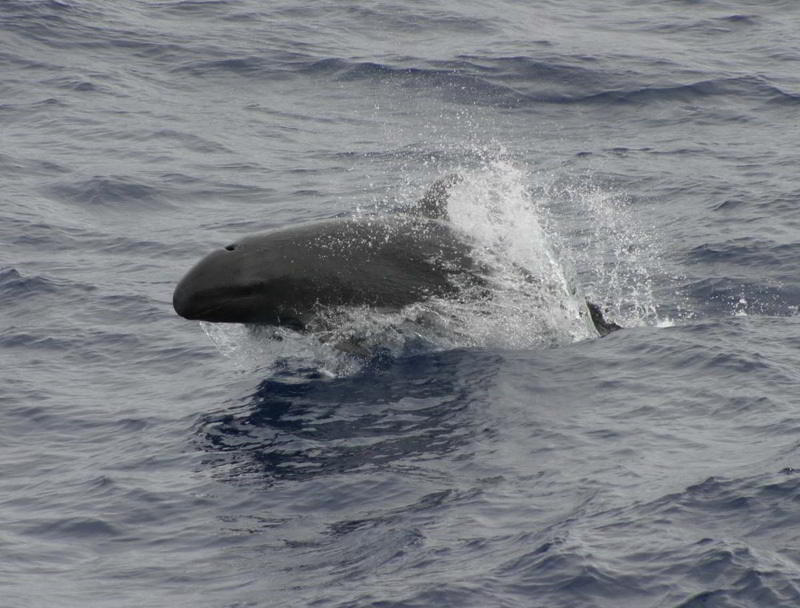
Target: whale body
(285, 277)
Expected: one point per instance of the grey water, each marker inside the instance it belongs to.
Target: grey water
(641, 154)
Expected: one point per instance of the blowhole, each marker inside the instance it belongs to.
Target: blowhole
(230, 247)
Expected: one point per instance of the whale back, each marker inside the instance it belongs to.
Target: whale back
(282, 277)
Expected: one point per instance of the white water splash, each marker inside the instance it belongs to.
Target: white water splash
(530, 233)
(615, 256)
(533, 301)
(275, 349)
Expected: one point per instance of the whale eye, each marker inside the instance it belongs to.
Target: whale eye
(231, 247)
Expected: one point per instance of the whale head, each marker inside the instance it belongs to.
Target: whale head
(222, 288)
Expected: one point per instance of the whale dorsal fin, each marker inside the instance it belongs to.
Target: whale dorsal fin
(603, 327)
(433, 204)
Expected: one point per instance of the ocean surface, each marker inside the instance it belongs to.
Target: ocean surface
(642, 154)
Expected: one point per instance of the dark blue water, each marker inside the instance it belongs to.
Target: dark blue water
(645, 154)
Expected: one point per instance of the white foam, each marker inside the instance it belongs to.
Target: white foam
(534, 300)
(616, 256)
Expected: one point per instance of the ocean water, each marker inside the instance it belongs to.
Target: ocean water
(642, 154)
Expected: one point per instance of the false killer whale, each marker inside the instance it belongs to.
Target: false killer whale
(284, 277)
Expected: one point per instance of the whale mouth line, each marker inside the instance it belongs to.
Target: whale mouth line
(239, 305)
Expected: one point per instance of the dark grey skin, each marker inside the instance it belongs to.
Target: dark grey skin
(283, 277)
